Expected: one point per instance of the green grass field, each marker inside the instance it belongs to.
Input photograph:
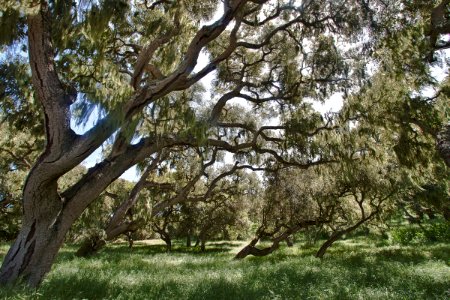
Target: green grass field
(352, 269)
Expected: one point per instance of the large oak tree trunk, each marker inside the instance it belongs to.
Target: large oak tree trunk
(203, 245)
(168, 242)
(165, 236)
(33, 252)
(48, 216)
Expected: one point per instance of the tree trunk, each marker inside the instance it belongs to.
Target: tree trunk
(446, 213)
(188, 240)
(34, 250)
(32, 254)
(334, 237)
(251, 249)
(203, 245)
(225, 235)
(130, 239)
(48, 216)
(166, 238)
(338, 234)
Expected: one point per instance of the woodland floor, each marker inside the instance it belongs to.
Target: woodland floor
(352, 269)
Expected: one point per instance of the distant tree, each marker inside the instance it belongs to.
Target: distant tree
(225, 210)
(367, 193)
(294, 200)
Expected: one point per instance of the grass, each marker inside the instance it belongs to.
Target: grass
(353, 269)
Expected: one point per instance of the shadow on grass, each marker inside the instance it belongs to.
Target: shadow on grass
(77, 287)
(115, 252)
(160, 249)
(347, 272)
(398, 269)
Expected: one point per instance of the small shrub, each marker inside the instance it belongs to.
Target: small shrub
(432, 232)
(403, 235)
(439, 232)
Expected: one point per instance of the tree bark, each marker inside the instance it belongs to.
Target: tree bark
(168, 242)
(188, 240)
(203, 245)
(252, 250)
(48, 215)
(33, 252)
(130, 239)
(167, 239)
(334, 237)
(338, 234)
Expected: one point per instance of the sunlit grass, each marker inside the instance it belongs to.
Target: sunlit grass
(353, 269)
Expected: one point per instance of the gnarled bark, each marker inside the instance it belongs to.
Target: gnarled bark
(439, 24)
(33, 252)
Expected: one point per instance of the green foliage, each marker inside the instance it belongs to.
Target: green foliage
(406, 235)
(11, 26)
(431, 232)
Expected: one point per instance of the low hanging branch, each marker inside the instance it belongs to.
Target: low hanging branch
(251, 248)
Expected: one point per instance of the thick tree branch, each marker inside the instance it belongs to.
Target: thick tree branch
(178, 78)
(54, 96)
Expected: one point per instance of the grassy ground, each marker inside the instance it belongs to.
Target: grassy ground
(353, 269)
